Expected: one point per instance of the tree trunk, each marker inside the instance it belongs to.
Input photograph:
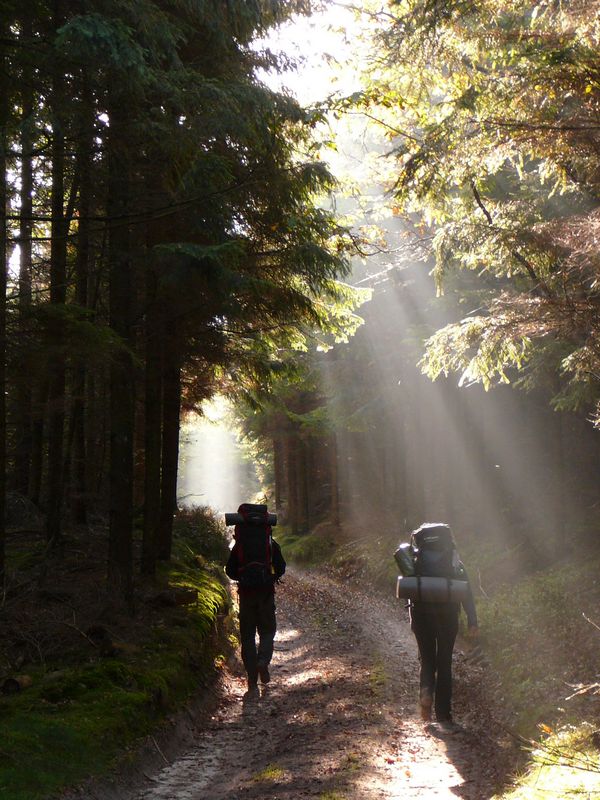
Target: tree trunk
(341, 448)
(38, 418)
(58, 293)
(278, 470)
(170, 452)
(122, 386)
(4, 113)
(77, 464)
(416, 475)
(78, 483)
(153, 427)
(334, 480)
(287, 477)
(301, 485)
(23, 393)
(292, 482)
(560, 495)
(97, 432)
(400, 467)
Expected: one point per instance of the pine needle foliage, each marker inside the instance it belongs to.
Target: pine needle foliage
(492, 113)
(173, 240)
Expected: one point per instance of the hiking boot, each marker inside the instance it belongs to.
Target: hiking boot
(252, 694)
(448, 726)
(425, 703)
(263, 672)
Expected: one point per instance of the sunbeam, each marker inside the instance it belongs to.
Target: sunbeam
(213, 470)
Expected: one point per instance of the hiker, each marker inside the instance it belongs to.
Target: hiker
(434, 622)
(256, 564)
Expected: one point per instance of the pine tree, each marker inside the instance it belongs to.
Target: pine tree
(491, 108)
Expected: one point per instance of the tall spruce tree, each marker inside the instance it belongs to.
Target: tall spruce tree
(495, 144)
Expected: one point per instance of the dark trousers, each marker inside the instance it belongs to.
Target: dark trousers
(257, 615)
(435, 632)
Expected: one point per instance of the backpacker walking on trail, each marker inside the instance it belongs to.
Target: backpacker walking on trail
(436, 590)
(256, 563)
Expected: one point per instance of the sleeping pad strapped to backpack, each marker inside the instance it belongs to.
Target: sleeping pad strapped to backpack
(437, 576)
(254, 547)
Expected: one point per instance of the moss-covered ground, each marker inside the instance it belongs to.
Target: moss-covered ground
(87, 706)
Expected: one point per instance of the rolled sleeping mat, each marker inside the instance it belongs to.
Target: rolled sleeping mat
(405, 559)
(251, 519)
(431, 590)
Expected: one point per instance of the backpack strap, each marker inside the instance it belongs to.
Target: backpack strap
(269, 534)
(238, 544)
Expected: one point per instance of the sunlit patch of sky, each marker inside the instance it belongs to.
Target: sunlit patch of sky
(326, 48)
(331, 49)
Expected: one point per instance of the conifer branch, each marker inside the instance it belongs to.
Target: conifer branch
(529, 268)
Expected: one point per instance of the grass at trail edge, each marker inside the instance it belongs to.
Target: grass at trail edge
(81, 719)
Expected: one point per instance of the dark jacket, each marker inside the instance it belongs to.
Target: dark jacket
(277, 560)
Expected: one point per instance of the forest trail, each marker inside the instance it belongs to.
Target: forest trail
(338, 720)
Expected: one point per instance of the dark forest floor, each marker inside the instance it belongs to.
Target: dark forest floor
(339, 719)
(82, 679)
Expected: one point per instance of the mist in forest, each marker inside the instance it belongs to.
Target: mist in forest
(501, 467)
(213, 470)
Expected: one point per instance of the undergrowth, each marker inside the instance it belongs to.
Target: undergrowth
(537, 635)
(326, 547)
(541, 639)
(81, 716)
(563, 764)
(309, 549)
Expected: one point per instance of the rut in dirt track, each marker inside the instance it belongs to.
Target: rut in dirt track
(338, 720)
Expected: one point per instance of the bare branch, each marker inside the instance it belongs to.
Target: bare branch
(587, 619)
(515, 253)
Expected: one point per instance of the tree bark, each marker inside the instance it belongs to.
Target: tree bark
(23, 393)
(300, 488)
(58, 293)
(122, 385)
(97, 433)
(334, 480)
(278, 470)
(38, 419)
(153, 427)
(558, 495)
(292, 482)
(78, 484)
(4, 115)
(170, 452)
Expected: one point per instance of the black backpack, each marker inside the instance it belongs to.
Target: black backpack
(254, 547)
(435, 551)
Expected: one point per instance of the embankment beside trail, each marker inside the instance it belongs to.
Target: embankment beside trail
(100, 679)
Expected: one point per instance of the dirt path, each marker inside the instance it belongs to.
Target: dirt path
(338, 721)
